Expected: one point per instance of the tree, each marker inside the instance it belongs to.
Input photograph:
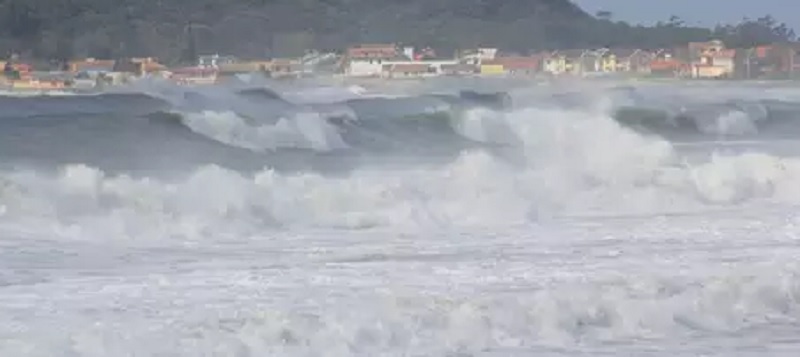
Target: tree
(190, 54)
(751, 33)
(675, 21)
(61, 28)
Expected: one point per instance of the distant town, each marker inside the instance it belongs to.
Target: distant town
(695, 60)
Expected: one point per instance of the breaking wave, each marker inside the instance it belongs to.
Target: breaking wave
(466, 159)
(531, 220)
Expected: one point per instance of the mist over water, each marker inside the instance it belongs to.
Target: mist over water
(452, 218)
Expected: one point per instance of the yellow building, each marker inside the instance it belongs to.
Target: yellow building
(626, 60)
(710, 71)
(609, 63)
(245, 67)
(492, 69)
(37, 85)
(564, 62)
(148, 65)
(555, 63)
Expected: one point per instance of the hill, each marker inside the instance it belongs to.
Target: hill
(65, 28)
(110, 28)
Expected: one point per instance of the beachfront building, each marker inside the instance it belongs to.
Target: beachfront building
(460, 69)
(91, 67)
(512, 65)
(477, 56)
(408, 70)
(368, 60)
(521, 65)
(416, 68)
(286, 68)
(193, 75)
(575, 62)
(775, 61)
(490, 68)
(630, 61)
(711, 59)
(215, 61)
(554, 63)
(390, 61)
(715, 65)
(15, 70)
(669, 63)
(148, 66)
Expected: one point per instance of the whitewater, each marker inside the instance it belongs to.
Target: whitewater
(457, 217)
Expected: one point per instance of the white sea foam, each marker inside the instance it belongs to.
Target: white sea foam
(577, 163)
(305, 130)
(599, 241)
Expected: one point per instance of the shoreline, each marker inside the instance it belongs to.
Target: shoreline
(368, 82)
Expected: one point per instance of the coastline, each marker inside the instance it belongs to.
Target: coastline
(369, 83)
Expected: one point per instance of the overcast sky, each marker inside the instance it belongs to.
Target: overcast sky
(698, 12)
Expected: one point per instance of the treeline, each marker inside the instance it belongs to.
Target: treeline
(674, 32)
(174, 29)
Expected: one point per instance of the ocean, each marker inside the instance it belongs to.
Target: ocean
(459, 217)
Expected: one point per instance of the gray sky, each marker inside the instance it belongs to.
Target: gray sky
(699, 12)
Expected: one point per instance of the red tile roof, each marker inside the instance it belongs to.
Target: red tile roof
(665, 64)
(93, 65)
(373, 51)
(516, 62)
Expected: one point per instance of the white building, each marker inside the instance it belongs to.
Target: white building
(363, 67)
(415, 69)
(368, 60)
(214, 61)
(389, 61)
(478, 56)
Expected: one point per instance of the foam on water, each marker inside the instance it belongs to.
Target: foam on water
(600, 240)
(578, 163)
(307, 130)
(556, 291)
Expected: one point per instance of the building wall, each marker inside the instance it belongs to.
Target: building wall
(436, 64)
(571, 66)
(714, 67)
(401, 74)
(459, 69)
(610, 63)
(375, 67)
(640, 62)
(589, 64)
(624, 65)
(492, 69)
(365, 68)
(705, 71)
(555, 65)
(574, 66)
(37, 85)
(584, 65)
(727, 63)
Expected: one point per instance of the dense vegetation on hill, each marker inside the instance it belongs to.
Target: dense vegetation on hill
(58, 29)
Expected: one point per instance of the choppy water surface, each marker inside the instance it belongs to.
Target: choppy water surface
(275, 219)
